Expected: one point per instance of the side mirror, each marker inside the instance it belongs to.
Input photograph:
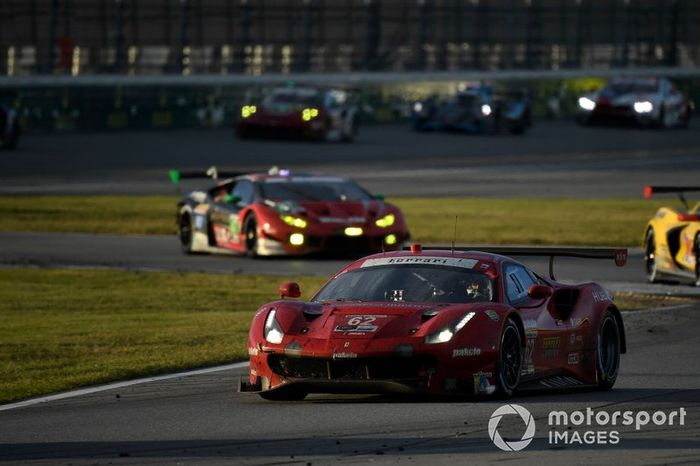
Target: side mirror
(539, 291)
(290, 290)
(378, 197)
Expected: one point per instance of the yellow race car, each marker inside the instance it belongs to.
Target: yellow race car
(672, 239)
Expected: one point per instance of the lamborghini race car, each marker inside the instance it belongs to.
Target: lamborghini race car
(643, 101)
(475, 110)
(10, 129)
(672, 239)
(306, 112)
(438, 321)
(284, 213)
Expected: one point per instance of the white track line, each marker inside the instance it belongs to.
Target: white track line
(126, 383)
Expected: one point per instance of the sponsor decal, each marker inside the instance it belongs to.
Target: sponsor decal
(462, 352)
(550, 353)
(550, 343)
(573, 359)
(482, 386)
(429, 260)
(234, 228)
(575, 339)
(344, 355)
(253, 351)
(530, 339)
(601, 296)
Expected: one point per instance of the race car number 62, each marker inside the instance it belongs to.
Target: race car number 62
(361, 320)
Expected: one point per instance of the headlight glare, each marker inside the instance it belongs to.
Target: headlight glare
(386, 221)
(294, 221)
(273, 332)
(446, 333)
(586, 103)
(643, 107)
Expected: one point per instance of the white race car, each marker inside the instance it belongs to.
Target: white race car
(641, 100)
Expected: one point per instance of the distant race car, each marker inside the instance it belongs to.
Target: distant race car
(475, 110)
(283, 213)
(10, 129)
(672, 239)
(443, 321)
(644, 101)
(305, 112)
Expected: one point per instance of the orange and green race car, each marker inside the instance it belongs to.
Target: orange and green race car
(672, 239)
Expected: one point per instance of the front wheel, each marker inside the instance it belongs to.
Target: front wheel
(185, 232)
(510, 359)
(608, 352)
(650, 263)
(250, 229)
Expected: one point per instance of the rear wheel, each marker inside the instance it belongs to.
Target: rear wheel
(510, 359)
(250, 229)
(650, 257)
(185, 232)
(608, 352)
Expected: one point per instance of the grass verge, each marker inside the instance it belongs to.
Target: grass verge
(68, 328)
(431, 220)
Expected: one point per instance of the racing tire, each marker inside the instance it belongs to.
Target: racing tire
(510, 360)
(250, 231)
(661, 122)
(696, 250)
(185, 232)
(607, 352)
(283, 395)
(685, 119)
(650, 264)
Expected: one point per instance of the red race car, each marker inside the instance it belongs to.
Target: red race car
(306, 112)
(284, 213)
(438, 321)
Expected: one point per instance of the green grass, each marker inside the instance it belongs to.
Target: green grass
(431, 220)
(67, 328)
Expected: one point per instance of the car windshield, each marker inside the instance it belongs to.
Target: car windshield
(313, 189)
(632, 88)
(294, 97)
(410, 283)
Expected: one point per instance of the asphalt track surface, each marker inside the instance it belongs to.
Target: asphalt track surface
(201, 419)
(555, 159)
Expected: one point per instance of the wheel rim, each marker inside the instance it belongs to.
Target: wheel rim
(185, 230)
(609, 350)
(511, 360)
(650, 257)
(251, 237)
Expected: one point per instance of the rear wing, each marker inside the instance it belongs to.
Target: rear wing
(619, 255)
(649, 191)
(211, 172)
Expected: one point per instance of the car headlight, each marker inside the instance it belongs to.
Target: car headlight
(486, 109)
(309, 114)
(643, 107)
(386, 221)
(273, 332)
(446, 333)
(586, 103)
(294, 221)
(418, 107)
(248, 110)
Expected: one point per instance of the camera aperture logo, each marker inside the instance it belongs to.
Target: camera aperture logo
(529, 427)
(583, 427)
